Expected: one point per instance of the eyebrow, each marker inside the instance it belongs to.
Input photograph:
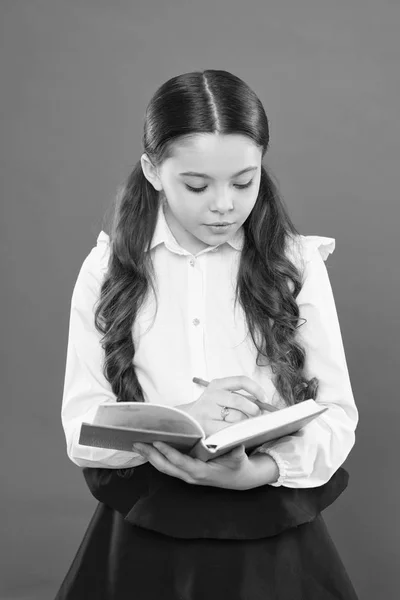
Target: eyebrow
(194, 174)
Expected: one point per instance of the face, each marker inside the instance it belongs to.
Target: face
(202, 184)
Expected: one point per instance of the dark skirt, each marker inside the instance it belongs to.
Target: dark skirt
(154, 537)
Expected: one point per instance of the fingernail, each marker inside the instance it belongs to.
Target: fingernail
(137, 448)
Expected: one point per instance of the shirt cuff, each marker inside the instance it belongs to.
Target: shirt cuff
(282, 465)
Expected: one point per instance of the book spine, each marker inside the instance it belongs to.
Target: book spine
(202, 452)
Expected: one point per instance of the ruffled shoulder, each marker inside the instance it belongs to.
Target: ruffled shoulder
(101, 252)
(103, 239)
(312, 243)
(96, 262)
(302, 248)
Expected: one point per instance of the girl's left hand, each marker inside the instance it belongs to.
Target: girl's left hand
(233, 470)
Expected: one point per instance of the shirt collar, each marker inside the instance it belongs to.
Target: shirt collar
(163, 234)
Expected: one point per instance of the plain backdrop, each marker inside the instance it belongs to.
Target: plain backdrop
(76, 77)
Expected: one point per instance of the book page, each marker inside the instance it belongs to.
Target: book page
(147, 416)
(263, 423)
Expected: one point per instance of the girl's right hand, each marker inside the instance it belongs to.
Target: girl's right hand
(207, 408)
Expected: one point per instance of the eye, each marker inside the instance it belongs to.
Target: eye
(203, 189)
(243, 186)
(195, 190)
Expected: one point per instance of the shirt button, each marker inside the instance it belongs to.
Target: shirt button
(196, 321)
(191, 262)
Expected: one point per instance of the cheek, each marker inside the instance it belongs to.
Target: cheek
(188, 210)
(253, 196)
(172, 194)
(246, 206)
(179, 198)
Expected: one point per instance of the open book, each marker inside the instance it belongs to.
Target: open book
(118, 425)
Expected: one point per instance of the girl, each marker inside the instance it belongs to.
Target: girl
(173, 293)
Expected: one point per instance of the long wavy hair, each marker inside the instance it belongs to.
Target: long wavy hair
(268, 282)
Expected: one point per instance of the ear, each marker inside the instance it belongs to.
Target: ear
(150, 172)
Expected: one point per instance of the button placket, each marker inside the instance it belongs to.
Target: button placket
(195, 313)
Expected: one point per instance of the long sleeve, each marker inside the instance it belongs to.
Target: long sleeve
(310, 457)
(85, 385)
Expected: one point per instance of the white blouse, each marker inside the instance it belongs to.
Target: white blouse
(197, 333)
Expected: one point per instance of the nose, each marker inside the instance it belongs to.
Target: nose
(222, 202)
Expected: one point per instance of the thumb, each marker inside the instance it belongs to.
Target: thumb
(238, 452)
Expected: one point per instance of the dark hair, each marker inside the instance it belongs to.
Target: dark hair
(268, 282)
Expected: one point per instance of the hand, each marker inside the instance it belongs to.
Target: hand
(207, 408)
(233, 470)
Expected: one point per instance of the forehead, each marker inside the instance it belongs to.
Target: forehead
(215, 155)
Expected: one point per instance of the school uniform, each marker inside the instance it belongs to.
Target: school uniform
(154, 536)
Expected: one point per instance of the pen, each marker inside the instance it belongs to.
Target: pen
(263, 405)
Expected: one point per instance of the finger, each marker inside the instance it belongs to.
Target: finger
(161, 463)
(263, 406)
(233, 416)
(178, 459)
(236, 415)
(232, 459)
(240, 403)
(238, 452)
(237, 456)
(240, 382)
(215, 425)
(193, 466)
(234, 455)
